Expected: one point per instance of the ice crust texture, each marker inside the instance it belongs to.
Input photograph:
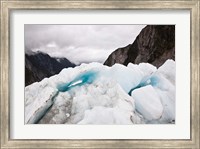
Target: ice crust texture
(97, 94)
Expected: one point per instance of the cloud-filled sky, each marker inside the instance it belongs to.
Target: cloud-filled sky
(79, 43)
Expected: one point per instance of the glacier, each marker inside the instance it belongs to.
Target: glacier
(97, 94)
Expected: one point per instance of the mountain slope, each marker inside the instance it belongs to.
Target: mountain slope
(40, 65)
(155, 44)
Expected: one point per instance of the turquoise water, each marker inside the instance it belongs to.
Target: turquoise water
(82, 79)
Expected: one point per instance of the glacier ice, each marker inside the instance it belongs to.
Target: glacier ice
(147, 102)
(38, 102)
(97, 94)
(84, 78)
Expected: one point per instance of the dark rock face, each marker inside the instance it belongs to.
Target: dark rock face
(40, 65)
(155, 44)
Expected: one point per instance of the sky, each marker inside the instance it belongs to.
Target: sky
(79, 43)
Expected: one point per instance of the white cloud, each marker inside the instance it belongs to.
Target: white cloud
(80, 43)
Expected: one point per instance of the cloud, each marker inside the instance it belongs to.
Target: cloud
(79, 43)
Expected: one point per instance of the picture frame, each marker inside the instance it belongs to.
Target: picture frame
(192, 6)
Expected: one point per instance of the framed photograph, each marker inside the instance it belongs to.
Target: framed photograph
(100, 74)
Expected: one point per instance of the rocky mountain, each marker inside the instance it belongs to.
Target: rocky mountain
(155, 44)
(40, 65)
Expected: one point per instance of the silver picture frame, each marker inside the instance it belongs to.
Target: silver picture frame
(193, 6)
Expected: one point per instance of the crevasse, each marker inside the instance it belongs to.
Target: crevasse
(82, 79)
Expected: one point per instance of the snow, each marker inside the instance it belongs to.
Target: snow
(97, 94)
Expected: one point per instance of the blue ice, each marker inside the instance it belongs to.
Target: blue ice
(85, 78)
(150, 80)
